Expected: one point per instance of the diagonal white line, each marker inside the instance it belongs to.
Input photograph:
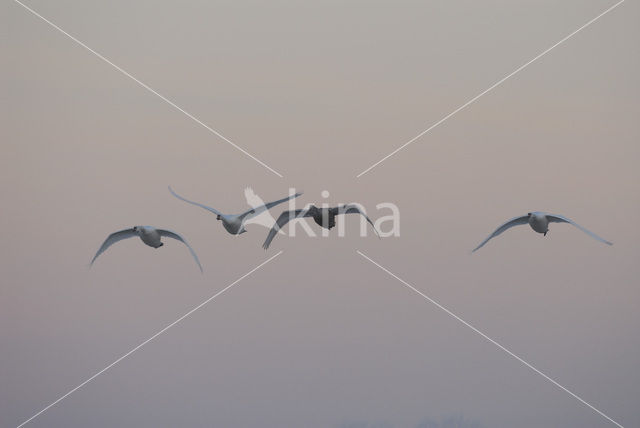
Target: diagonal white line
(148, 88)
(489, 89)
(490, 339)
(149, 340)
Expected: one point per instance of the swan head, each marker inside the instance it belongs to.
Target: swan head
(537, 215)
(138, 230)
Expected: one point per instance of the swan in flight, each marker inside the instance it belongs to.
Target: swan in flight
(324, 217)
(149, 235)
(539, 222)
(234, 223)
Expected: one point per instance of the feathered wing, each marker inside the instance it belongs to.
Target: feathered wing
(355, 209)
(284, 218)
(261, 208)
(213, 210)
(269, 205)
(170, 234)
(555, 218)
(509, 224)
(112, 239)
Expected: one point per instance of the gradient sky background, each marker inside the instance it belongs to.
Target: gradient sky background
(320, 337)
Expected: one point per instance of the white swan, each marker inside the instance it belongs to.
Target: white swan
(539, 222)
(234, 223)
(149, 235)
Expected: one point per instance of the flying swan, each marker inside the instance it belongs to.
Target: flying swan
(234, 223)
(149, 235)
(539, 222)
(324, 217)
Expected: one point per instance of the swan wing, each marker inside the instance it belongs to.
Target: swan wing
(112, 239)
(516, 221)
(261, 208)
(284, 218)
(555, 218)
(355, 209)
(213, 210)
(173, 235)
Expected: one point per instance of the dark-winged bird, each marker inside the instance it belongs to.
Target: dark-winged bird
(324, 217)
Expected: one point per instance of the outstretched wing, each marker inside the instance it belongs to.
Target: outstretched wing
(355, 209)
(284, 218)
(112, 239)
(170, 234)
(555, 218)
(213, 210)
(509, 224)
(261, 208)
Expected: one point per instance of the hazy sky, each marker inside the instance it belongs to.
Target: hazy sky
(320, 337)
